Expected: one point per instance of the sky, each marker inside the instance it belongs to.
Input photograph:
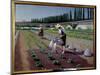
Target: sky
(28, 12)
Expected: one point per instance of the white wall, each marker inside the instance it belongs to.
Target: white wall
(5, 37)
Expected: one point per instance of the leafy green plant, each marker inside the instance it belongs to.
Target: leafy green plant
(69, 61)
(56, 62)
(38, 64)
(33, 55)
(50, 56)
(42, 50)
(36, 58)
(63, 57)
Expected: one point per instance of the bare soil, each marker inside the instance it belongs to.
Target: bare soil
(24, 61)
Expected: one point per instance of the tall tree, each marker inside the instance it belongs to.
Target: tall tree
(88, 13)
(70, 15)
(91, 13)
(80, 13)
(75, 18)
(83, 13)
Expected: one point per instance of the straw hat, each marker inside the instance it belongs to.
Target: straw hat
(58, 25)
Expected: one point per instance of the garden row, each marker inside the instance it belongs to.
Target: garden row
(82, 34)
(57, 61)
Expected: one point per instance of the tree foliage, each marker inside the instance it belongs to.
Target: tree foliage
(73, 15)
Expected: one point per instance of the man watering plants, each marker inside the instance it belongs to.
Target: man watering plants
(61, 40)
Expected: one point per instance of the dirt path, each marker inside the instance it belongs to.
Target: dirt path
(23, 53)
(18, 62)
(32, 46)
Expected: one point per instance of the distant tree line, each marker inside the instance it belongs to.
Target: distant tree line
(77, 14)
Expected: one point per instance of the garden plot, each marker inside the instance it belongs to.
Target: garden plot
(79, 44)
(37, 56)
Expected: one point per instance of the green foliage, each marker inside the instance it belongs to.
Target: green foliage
(79, 28)
(56, 62)
(76, 15)
(33, 55)
(36, 59)
(38, 64)
(69, 61)
(82, 34)
(74, 26)
(69, 28)
(50, 56)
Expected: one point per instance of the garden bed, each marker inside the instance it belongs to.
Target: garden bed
(40, 58)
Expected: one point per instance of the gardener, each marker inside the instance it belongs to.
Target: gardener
(60, 41)
(41, 32)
